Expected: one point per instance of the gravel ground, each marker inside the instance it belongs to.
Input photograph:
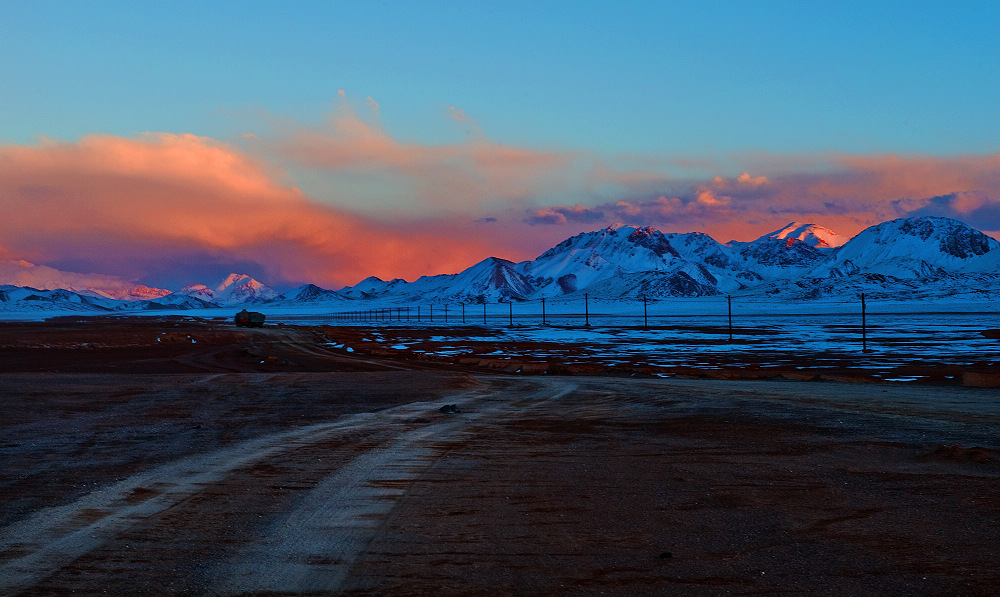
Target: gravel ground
(260, 462)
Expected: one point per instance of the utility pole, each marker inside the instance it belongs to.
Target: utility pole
(543, 310)
(645, 314)
(586, 309)
(510, 308)
(864, 325)
(463, 312)
(729, 299)
(446, 312)
(484, 312)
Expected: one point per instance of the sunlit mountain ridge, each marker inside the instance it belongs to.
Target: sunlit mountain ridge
(924, 258)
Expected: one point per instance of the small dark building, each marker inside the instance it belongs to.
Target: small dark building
(249, 319)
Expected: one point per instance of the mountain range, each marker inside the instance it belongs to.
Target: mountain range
(911, 258)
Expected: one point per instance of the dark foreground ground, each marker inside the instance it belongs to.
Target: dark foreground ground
(134, 461)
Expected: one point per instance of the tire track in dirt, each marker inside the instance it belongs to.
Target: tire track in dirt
(312, 549)
(36, 547)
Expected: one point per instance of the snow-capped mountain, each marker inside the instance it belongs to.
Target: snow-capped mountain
(490, 280)
(171, 301)
(138, 292)
(591, 258)
(22, 273)
(772, 256)
(234, 290)
(798, 260)
(924, 247)
(310, 293)
(25, 298)
(923, 258)
(788, 251)
(811, 234)
(371, 287)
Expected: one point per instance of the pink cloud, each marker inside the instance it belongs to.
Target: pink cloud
(753, 181)
(438, 178)
(846, 193)
(633, 179)
(126, 206)
(563, 214)
(131, 203)
(23, 273)
(707, 197)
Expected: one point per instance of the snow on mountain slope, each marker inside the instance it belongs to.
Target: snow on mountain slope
(797, 260)
(811, 234)
(42, 277)
(636, 285)
(240, 288)
(586, 258)
(138, 292)
(171, 301)
(490, 280)
(371, 287)
(924, 247)
(234, 290)
(23, 298)
(630, 262)
(775, 257)
(199, 291)
(920, 259)
(788, 252)
(310, 293)
(728, 267)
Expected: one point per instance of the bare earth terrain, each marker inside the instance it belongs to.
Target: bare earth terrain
(180, 457)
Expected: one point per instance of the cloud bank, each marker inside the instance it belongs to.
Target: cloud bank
(846, 193)
(159, 206)
(124, 206)
(381, 172)
(23, 273)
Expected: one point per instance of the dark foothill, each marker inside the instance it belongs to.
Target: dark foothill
(449, 409)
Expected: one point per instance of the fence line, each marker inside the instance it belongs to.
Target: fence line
(540, 311)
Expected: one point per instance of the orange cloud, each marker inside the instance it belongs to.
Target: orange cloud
(128, 206)
(390, 174)
(753, 181)
(22, 273)
(846, 193)
(563, 214)
(130, 203)
(707, 197)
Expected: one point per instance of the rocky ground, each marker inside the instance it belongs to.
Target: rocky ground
(184, 457)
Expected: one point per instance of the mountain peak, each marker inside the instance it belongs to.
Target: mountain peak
(235, 289)
(811, 234)
(237, 280)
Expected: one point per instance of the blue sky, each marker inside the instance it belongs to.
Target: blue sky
(446, 132)
(676, 78)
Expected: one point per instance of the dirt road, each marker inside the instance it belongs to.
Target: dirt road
(354, 482)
